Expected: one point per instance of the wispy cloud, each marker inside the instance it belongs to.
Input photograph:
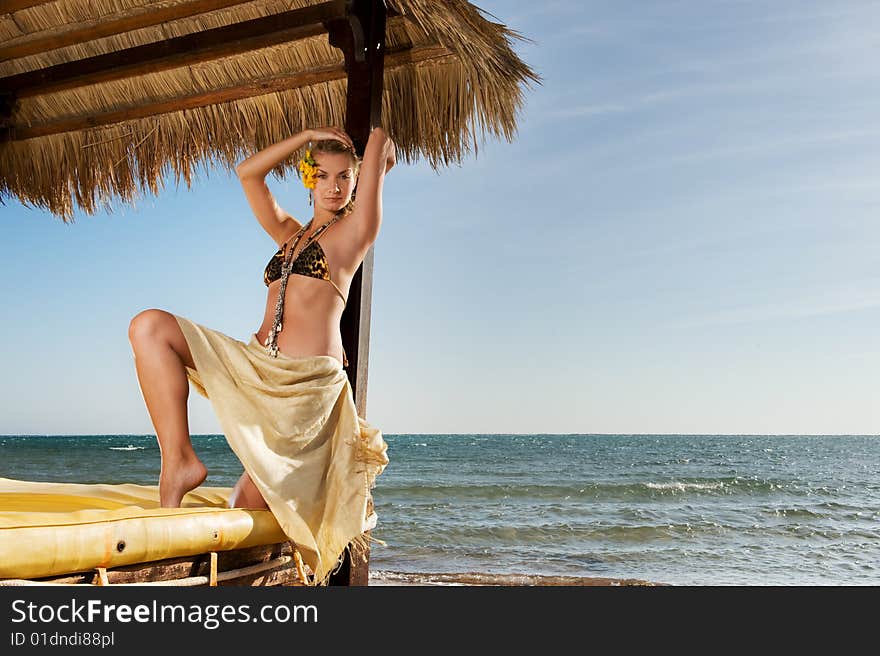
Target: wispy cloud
(762, 146)
(535, 10)
(861, 355)
(852, 186)
(828, 302)
(586, 111)
(587, 30)
(659, 96)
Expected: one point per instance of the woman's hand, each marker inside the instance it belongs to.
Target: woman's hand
(332, 132)
(389, 151)
(391, 158)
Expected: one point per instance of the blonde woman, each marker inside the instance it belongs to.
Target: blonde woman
(283, 399)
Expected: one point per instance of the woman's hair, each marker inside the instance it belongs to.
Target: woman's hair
(334, 146)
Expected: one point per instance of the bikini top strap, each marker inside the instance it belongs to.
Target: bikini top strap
(315, 236)
(338, 291)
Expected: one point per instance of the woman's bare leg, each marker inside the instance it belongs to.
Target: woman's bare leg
(246, 495)
(161, 351)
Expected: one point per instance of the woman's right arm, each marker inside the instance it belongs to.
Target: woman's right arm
(252, 174)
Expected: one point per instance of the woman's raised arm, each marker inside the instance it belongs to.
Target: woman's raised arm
(379, 157)
(252, 174)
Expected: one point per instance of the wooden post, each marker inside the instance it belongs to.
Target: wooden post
(361, 37)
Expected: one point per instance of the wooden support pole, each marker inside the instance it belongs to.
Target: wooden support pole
(361, 37)
(101, 577)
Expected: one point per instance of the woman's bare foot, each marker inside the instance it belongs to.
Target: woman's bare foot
(178, 479)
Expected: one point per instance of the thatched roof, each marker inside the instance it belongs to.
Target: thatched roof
(109, 129)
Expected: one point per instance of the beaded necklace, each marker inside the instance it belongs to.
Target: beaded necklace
(271, 342)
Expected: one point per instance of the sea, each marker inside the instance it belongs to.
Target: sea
(697, 510)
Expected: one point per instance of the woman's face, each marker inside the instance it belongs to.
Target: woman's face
(335, 180)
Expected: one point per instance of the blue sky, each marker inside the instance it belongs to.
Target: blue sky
(682, 239)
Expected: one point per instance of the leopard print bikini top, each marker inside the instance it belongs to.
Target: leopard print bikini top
(311, 262)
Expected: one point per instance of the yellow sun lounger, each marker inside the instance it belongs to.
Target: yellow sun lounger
(54, 529)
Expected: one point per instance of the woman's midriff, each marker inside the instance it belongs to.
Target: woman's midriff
(310, 323)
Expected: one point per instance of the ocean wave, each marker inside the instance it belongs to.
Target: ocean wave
(573, 536)
(632, 491)
(796, 512)
(383, 577)
(676, 486)
(130, 447)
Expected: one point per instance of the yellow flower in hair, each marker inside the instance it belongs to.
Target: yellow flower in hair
(308, 167)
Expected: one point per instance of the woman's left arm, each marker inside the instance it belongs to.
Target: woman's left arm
(379, 157)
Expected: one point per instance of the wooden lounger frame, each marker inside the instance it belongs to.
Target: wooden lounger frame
(264, 565)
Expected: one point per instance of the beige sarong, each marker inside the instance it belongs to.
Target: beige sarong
(293, 423)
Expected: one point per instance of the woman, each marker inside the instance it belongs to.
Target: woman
(283, 399)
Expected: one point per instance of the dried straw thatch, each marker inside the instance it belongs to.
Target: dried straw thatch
(450, 76)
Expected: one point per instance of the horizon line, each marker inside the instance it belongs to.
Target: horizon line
(152, 435)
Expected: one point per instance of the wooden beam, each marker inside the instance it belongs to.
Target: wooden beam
(394, 59)
(361, 37)
(180, 51)
(16, 5)
(134, 19)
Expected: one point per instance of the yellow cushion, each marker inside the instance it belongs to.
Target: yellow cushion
(49, 529)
